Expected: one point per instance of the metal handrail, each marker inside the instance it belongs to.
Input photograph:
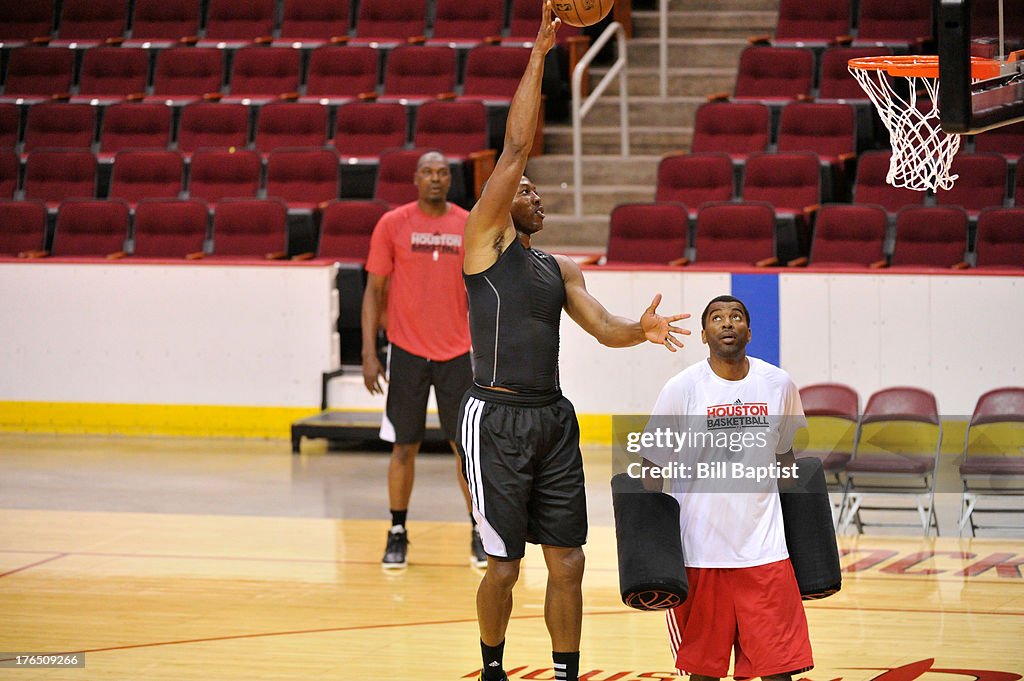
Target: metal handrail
(581, 108)
(663, 47)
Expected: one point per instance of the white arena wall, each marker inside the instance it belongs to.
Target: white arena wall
(238, 349)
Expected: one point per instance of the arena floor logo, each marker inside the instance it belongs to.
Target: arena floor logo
(907, 672)
(1004, 565)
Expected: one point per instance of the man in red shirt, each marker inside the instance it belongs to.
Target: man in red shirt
(415, 264)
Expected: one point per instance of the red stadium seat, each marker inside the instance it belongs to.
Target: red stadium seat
(22, 228)
(828, 130)
(232, 24)
(185, 74)
(94, 228)
(290, 124)
(848, 236)
(870, 185)
(60, 126)
(415, 74)
(467, 24)
(312, 23)
(363, 130)
(139, 175)
(1000, 238)
(905, 24)
(340, 74)
(493, 73)
(219, 174)
(162, 23)
(134, 126)
(54, 175)
(250, 228)
(386, 23)
(210, 125)
(346, 228)
(738, 129)
(20, 22)
(695, 179)
(170, 228)
(263, 74)
(110, 74)
(303, 177)
(35, 74)
(1007, 140)
(655, 233)
(812, 23)
(87, 23)
(981, 183)
(731, 235)
(774, 74)
(930, 237)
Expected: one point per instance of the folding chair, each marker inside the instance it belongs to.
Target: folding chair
(993, 458)
(832, 411)
(896, 455)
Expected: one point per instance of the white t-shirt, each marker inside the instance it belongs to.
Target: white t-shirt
(729, 520)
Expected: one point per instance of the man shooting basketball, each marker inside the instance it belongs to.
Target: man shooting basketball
(743, 593)
(519, 438)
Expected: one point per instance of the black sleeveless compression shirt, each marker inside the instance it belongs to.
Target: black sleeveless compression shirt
(515, 307)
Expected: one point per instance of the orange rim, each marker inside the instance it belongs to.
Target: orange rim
(921, 66)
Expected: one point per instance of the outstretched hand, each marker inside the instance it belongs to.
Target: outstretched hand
(548, 28)
(659, 330)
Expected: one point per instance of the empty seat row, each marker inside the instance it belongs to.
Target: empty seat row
(334, 74)
(304, 178)
(791, 180)
(906, 24)
(729, 235)
(229, 23)
(173, 228)
(357, 130)
(829, 129)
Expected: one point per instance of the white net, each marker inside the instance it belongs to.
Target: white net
(921, 152)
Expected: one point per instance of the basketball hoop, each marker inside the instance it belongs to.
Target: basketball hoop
(921, 152)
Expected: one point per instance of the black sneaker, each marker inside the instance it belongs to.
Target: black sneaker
(477, 555)
(503, 676)
(395, 555)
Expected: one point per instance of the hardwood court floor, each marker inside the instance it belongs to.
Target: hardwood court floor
(169, 591)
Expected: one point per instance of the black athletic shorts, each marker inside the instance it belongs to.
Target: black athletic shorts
(409, 379)
(522, 461)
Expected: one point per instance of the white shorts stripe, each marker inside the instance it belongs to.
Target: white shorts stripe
(494, 545)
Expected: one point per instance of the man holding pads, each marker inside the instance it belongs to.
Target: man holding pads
(743, 592)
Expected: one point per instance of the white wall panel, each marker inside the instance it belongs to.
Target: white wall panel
(261, 335)
(154, 334)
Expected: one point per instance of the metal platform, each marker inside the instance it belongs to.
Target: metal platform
(338, 425)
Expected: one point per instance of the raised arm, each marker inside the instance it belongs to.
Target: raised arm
(611, 330)
(489, 227)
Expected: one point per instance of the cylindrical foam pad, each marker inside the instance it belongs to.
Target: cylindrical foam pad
(810, 535)
(652, 574)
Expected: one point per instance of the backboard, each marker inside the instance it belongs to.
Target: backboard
(990, 28)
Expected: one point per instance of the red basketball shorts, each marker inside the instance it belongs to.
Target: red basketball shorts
(754, 611)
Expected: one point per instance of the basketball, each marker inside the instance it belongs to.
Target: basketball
(582, 12)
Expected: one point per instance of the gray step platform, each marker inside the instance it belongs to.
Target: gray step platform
(337, 425)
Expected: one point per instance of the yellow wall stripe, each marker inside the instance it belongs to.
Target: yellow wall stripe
(240, 421)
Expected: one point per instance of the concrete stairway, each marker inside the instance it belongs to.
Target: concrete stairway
(705, 41)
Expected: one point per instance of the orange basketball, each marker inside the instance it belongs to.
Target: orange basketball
(582, 12)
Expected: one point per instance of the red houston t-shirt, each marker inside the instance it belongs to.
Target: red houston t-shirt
(428, 314)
